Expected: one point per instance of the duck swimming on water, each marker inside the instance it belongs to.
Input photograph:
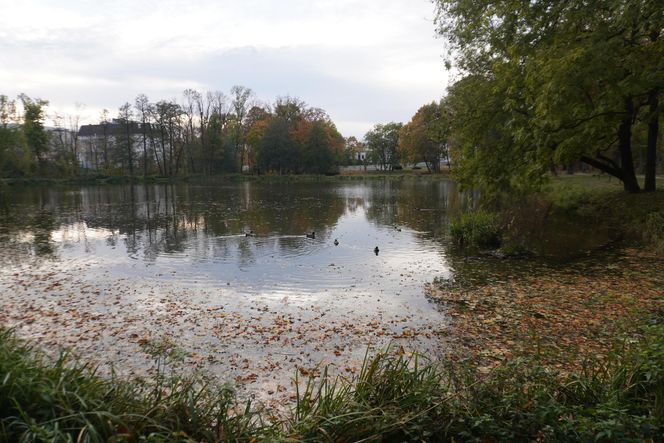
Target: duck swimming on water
(336, 242)
(312, 235)
(249, 234)
(376, 250)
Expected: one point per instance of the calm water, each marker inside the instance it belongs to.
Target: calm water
(195, 234)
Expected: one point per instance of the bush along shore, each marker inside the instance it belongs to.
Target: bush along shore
(513, 224)
(395, 397)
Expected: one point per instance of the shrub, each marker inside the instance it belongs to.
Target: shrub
(654, 229)
(476, 229)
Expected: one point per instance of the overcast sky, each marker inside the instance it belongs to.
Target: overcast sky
(363, 61)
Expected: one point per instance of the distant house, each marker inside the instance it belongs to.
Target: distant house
(97, 142)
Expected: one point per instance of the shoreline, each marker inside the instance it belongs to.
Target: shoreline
(222, 178)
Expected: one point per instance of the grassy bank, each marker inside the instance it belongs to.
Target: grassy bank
(394, 398)
(92, 180)
(222, 178)
(637, 216)
(515, 223)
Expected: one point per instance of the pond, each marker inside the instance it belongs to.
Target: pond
(250, 238)
(227, 273)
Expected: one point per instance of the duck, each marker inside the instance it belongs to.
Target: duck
(336, 242)
(312, 235)
(376, 250)
(397, 228)
(249, 234)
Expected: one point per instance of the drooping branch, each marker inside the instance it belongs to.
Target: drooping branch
(608, 160)
(602, 166)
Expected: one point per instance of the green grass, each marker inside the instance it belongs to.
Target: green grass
(654, 229)
(394, 398)
(477, 229)
(64, 400)
(604, 200)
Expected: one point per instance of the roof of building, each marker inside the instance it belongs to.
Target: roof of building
(113, 128)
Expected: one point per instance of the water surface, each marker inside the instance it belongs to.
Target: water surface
(196, 234)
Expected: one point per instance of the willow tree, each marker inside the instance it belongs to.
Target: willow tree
(565, 81)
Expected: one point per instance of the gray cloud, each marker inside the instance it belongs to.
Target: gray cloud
(364, 62)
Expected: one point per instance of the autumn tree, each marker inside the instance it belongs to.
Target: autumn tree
(207, 133)
(258, 118)
(425, 138)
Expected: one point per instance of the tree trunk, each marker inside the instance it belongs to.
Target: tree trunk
(163, 152)
(653, 132)
(625, 146)
(130, 155)
(145, 151)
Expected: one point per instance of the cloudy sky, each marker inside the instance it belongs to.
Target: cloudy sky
(363, 61)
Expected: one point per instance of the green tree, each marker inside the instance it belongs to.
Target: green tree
(36, 136)
(383, 143)
(216, 143)
(277, 150)
(240, 105)
(569, 80)
(317, 153)
(15, 158)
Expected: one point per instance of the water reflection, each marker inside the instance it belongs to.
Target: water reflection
(196, 233)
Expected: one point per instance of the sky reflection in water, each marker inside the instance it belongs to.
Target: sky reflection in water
(195, 234)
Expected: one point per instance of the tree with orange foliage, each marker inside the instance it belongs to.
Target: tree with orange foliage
(425, 137)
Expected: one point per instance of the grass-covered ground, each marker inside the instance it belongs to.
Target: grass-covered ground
(515, 222)
(394, 398)
(638, 216)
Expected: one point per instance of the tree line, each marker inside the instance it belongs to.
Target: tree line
(424, 139)
(207, 134)
(203, 133)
